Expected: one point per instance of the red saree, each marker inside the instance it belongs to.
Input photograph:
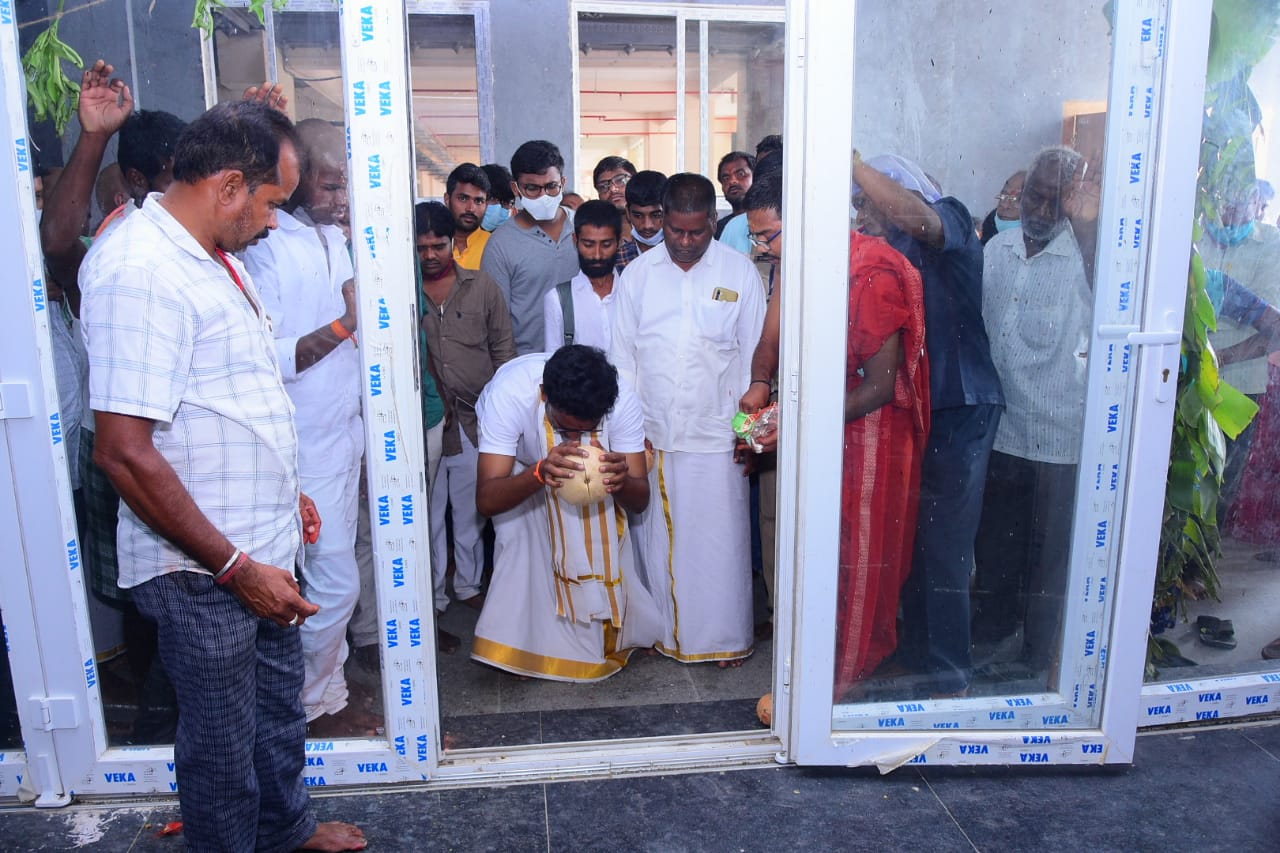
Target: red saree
(882, 454)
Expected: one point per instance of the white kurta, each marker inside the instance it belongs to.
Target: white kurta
(685, 339)
(592, 316)
(565, 601)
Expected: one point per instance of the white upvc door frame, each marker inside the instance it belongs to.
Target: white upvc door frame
(1159, 48)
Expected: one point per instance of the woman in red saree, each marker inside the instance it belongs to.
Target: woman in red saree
(886, 425)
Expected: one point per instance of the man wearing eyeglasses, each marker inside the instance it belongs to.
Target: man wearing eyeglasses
(611, 177)
(533, 251)
(689, 313)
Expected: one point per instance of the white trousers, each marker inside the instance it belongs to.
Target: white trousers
(364, 626)
(455, 484)
(330, 577)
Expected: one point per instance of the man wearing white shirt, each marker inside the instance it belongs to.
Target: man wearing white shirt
(304, 273)
(597, 227)
(566, 601)
(1037, 307)
(689, 315)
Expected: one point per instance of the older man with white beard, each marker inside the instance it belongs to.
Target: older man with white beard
(1038, 307)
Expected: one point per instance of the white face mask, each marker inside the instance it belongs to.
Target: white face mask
(543, 208)
(648, 241)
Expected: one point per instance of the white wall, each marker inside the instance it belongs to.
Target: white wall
(972, 90)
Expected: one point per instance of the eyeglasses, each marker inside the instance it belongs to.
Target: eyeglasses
(1010, 197)
(763, 242)
(616, 182)
(535, 190)
(559, 428)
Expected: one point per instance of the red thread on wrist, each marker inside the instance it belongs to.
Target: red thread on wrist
(340, 330)
(237, 566)
(537, 472)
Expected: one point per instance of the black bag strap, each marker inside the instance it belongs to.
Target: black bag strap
(565, 291)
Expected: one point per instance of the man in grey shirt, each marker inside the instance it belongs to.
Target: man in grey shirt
(533, 251)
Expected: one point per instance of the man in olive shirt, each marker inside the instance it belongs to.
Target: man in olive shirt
(468, 328)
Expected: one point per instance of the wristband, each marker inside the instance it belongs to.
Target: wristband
(537, 472)
(765, 381)
(226, 575)
(340, 330)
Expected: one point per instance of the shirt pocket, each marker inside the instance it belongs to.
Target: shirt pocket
(717, 321)
(466, 328)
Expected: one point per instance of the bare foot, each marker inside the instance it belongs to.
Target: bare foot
(334, 837)
(475, 602)
(349, 722)
(447, 643)
(731, 664)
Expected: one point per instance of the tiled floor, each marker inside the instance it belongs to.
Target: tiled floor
(1207, 790)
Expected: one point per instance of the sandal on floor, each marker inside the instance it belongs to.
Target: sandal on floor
(1211, 622)
(1271, 651)
(1220, 636)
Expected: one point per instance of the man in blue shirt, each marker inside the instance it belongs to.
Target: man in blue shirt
(896, 200)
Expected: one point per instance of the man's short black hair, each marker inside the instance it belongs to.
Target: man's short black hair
(599, 213)
(765, 193)
(645, 189)
(688, 192)
(771, 144)
(579, 381)
(147, 142)
(244, 135)
(535, 157)
(736, 155)
(612, 164)
(468, 173)
(434, 217)
(499, 183)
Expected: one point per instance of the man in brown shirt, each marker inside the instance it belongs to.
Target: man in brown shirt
(468, 329)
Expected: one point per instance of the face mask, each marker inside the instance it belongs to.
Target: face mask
(494, 215)
(648, 241)
(543, 208)
(1006, 224)
(1229, 235)
(39, 215)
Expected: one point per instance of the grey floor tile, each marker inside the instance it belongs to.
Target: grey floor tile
(1186, 791)
(505, 820)
(494, 730)
(76, 827)
(756, 810)
(649, 721)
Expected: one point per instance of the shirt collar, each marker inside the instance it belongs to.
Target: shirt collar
(153, 210)
(709, 257)
(1063, 244)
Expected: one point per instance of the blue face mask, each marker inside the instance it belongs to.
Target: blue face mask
(1229, 235)
(494, 215)
(1006, 224)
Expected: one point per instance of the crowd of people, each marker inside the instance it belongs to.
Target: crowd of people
(212, 399)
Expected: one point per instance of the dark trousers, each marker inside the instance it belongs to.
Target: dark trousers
(1024, 554)
(239, 750)
(935, 599)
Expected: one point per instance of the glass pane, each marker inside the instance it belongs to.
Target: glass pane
(446, 113)
(692, 100)
(745, 69)
(967, 358)
(627, 85)
(1215, 612)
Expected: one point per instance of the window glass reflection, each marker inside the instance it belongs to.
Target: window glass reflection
(960, 469)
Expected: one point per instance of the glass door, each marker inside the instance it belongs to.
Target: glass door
(97, 714)
(969, 583)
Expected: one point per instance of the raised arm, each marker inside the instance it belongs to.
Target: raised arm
(903, 208)
(764, 361)
(105, 104)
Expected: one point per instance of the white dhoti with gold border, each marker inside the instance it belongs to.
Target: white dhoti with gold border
(565, 601)
(697, 555)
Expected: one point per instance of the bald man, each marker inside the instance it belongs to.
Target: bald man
(304, 273)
